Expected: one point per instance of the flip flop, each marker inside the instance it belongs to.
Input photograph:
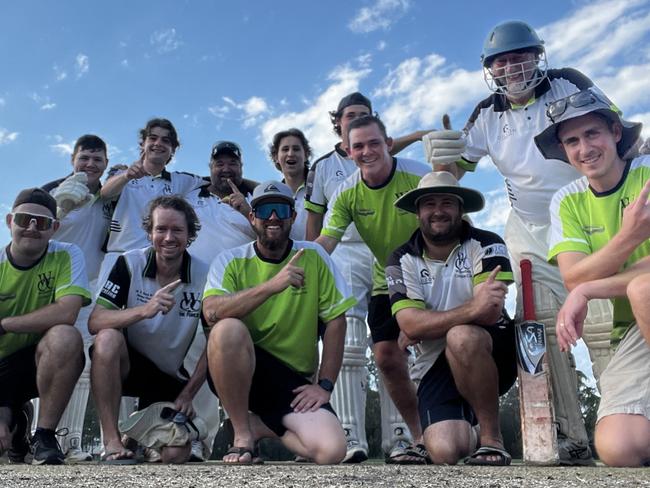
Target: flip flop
(122, 458)
(240, 451)
(504, 457)
(402, 450)
(420, 451)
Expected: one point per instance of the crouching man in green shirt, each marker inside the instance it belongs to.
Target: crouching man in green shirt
(600, 230)
(43, 284)
(263, 301)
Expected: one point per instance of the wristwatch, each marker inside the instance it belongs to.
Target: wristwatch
(326, 385)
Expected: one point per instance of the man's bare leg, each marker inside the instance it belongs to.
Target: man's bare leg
(623, 440)
(393, 366)
(59, 363)
(449, 441)
(231, 362)
(109, 367)
(469, 354)
(315, 435)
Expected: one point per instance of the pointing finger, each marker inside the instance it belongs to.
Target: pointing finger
(296, 257)
(493, 274)
(233, 187)
(170, 287)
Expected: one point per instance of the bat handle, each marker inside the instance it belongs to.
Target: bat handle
(527, 289)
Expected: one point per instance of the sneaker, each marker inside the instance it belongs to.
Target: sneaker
(355, 453)
(573, 453)
(77, 456)
(46, 448)
(196, 456)
(20, 439)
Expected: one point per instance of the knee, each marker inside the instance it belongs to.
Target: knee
(107, 344)
(389, 357)
(444, 454)
(616, 448)
(331, 451)
(176, 455)
(228, 335)
(62, 340)
(465, 341)
(638, 289)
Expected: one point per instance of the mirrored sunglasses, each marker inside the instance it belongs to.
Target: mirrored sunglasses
(24, 220)
(265, 210)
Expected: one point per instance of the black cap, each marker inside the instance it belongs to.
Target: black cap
(37, 196)
(226, 147)
(355, 98)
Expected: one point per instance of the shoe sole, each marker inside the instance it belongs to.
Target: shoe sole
(48, 461)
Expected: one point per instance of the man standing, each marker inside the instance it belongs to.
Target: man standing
(263, 301)
(503, 126)
(43, 285)
(366, 199)
(447, 286)
(84, 219)
(146, 317)
(354, 260)
(600, 240)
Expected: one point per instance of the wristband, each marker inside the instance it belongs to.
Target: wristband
(326, 385)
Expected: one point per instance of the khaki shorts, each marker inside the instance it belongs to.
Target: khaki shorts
(625, 383)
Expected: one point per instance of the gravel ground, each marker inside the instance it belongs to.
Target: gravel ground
(292, 475)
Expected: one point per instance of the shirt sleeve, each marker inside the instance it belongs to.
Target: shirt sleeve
(315, 200)
(187, 182)
(404, 289)
(339, 217)
(491, 254)
(73, 279)
(567, 235)
(115, 292)
(221, 278)
(476, 142)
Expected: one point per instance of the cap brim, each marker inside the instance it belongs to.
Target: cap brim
(473, 200)
(549, 145)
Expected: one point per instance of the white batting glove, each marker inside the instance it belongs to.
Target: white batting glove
(443, 147)
(71, 193)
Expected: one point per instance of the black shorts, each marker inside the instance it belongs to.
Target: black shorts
(18, 378)
(148, 383)
(383, 325)
(272, 390)
(438, 398)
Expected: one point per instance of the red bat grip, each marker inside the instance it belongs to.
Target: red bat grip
(527, 289)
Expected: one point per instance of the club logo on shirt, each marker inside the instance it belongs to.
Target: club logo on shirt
(167, 189)
(45, 281)
(593, 229)
(339, 174)
(365, 212)
(495, 250)
(462, 266)
(425, 277)
(110, 289)
(506, 132)
(190, 304)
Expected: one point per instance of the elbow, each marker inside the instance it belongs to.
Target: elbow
(94, 324)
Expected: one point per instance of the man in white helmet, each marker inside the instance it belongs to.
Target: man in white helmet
(502, 126)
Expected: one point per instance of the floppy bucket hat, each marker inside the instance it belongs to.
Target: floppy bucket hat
(439, 182)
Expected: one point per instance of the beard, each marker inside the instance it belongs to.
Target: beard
(442, 237)
(272, 243)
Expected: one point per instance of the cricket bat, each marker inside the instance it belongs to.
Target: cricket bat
(538, 432)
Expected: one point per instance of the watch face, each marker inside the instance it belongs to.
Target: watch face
(326, 385)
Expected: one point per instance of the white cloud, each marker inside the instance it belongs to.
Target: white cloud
(48, 106)
(165, 41)
(124, 63)
(314, 120)
(63, 148)
(381, 15)
(381, 45)
(59, 73)
(250, 111)
(6, 137)
(82, 64)
(493, 216)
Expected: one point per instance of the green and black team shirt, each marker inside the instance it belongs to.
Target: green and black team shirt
(163, 338)
(285, 325)
(584, 220)
(382, 226)
(61, 271)
(417, 281)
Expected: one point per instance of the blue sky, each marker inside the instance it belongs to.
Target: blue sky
(244, 70)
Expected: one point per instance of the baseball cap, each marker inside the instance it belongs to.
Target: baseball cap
(37, 196)
(272, 189)
(576, 105)
(438, 182)
(225, 147)
(355, 98)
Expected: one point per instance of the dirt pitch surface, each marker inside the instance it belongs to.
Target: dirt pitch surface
(291, 475)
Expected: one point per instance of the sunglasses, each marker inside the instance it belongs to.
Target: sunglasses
(577, 100)
(265, 210)
(24, 220)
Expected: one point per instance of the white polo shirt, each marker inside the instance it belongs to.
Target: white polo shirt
(126, 231)
(417, 281)
(506, 134)
(222, 227)
(164, 339)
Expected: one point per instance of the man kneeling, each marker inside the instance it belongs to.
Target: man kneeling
(447, 288)
(263, 301)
